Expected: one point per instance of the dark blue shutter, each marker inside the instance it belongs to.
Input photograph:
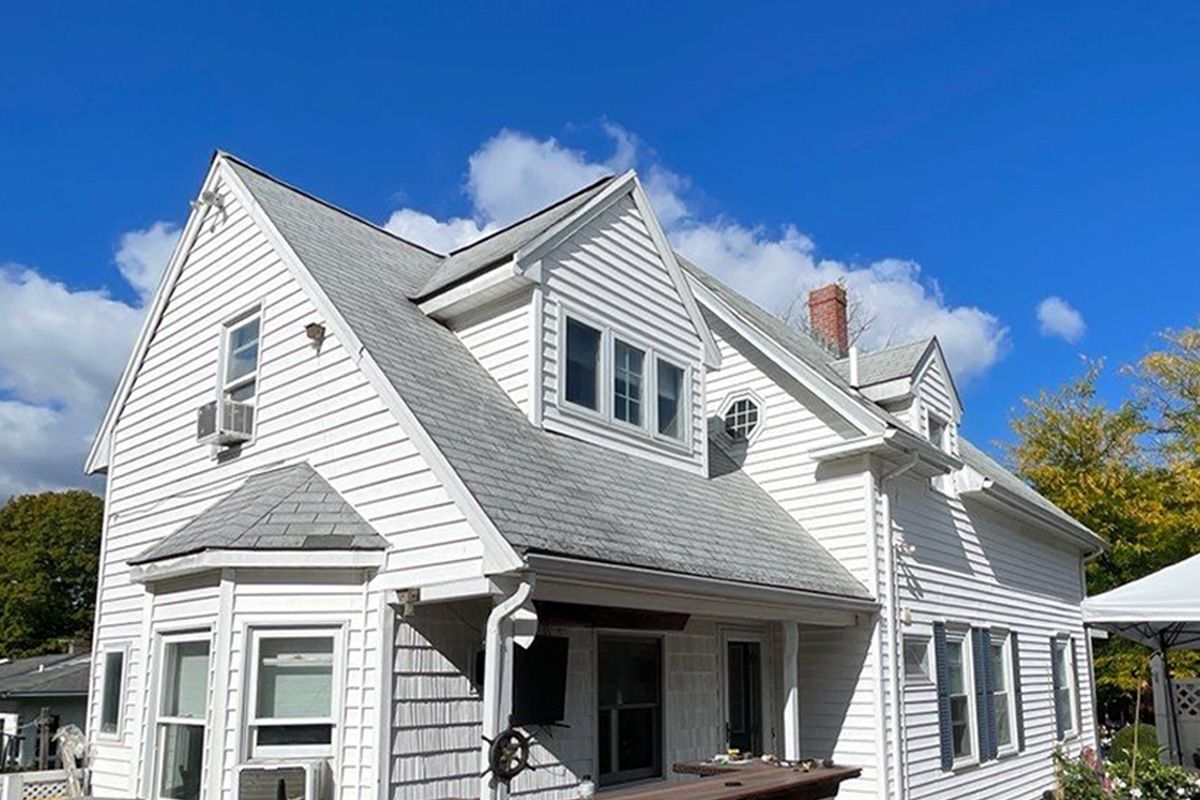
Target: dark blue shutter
(989, 692)
(984, 717)
(1060, 724)
(943, 694)
(1016, 690)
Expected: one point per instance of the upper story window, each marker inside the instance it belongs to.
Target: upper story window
(239, 368)
(628, 364)
(742, 419)
(582, 379)
(939, 433)
(670, 399)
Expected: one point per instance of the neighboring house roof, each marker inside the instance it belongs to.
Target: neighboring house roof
(889, 363)
(545, 493)
(289, 508)
(58, 674)
(478, 256)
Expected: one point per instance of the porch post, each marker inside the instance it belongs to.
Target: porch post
(791, 690)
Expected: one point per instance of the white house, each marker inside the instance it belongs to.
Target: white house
(350, 481)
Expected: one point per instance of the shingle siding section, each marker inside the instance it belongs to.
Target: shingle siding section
(262, 514)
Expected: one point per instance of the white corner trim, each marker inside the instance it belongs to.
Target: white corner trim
(100, 452)
(499, 556)
(255, 559)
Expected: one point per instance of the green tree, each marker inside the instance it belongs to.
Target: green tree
(49, 548)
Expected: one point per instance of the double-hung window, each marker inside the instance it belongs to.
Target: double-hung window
(629, 728)
(629, 364)
(1062, 663)
(961, 690)
(1003, 683)
(292, 709)
(581, 384)
(239, 370)
(671, 399)
(183, 707)
(113, 691)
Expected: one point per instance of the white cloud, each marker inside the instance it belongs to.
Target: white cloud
(513, 173)
(1056, 317)
(143, 255)
(61, 353)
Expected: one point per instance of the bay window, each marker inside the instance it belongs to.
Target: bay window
(292, 705)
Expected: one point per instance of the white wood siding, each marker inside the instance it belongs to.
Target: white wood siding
(977, 567)
(610, 273)
(500, 338)
(311, 405)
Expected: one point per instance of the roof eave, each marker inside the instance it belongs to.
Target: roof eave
(991, 493)
(211, 559)
(892, 445)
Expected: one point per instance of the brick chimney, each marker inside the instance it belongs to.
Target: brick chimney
(827, 318)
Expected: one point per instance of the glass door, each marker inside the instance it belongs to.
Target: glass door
(744, 725)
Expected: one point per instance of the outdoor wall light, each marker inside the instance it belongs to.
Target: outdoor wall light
(316, 333)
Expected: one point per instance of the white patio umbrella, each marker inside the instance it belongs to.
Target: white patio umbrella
(1161, 611)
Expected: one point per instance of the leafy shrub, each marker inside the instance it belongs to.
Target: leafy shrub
(1087, 778)
(1121, 751)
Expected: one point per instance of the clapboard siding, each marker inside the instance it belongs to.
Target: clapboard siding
(312, 405)
(977, 567)
(611, 273)
(500, 338)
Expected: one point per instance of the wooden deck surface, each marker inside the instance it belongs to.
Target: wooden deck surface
(750, 782)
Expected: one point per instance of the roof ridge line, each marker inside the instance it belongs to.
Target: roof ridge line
(331, 206)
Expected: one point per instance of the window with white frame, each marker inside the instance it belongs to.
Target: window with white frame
(113, 691)
(1003, 698)
(183, 708)
(961, 689)
(939, 433)
(916, 659)
(581, 384)
(672, 399)
(292, 684)
(239, 370)
(629, 701)
(1062, 663)
(629, 362)
(741, 419)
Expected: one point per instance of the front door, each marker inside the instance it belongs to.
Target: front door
(744, 727)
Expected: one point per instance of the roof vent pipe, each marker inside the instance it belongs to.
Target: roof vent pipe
(854, 366)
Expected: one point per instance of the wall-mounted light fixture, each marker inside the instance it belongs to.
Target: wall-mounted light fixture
(316, 334)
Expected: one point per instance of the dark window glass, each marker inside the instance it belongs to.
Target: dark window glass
(583, 364)
(741, 419)
(110, 706)
(629, 727)
(670, 400)
(628, 362)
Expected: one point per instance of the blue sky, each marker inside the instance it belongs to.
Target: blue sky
(1014, 151)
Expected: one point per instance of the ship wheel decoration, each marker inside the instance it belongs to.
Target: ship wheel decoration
(509, 754)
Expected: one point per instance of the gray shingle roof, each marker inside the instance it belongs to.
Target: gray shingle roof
(289, 508)
(46, 675)
(889, 363)
(476, 257)
(544, 493)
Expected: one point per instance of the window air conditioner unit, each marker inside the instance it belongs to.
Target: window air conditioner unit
(291, 780)
(224, 422)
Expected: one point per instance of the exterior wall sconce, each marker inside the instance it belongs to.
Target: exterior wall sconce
(316, 334)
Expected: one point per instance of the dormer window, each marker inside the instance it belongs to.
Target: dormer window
(239, 372)
(670, 399)
(582, 380)
(939, 433)
(628, 365)
(742, 419)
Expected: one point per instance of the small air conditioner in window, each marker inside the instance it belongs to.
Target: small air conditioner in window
(291, 780)
(224, 422)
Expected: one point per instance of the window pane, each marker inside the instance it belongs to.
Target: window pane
(629, 672)
(242, 357)
(999, 669)
(637, 742)
(295, 734)
(741, 419)
(243, 393)
(670, 394)
(185, 679)
(244, 335)
(629, 729)
(295, 677)
(583, 364)
(110, 708)
(916, 658)
(627, 383)
(182, 761)
(1003, 725)
(954, 658)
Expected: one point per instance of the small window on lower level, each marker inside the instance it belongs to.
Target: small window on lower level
(916, 660)
(742, 419)
(113, 694)
(293, 686)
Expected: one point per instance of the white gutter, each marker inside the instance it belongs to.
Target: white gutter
(1080, 535)
(496, 697)
(893, 612)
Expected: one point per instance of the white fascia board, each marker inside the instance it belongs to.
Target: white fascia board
(894, 442)
(483, 288)
(639, 587)
(99, 454)
(498, 555)
(1000, 499)
(207, 560)
(935, 351)
(529, 257)
(830, 394)
(887, 391)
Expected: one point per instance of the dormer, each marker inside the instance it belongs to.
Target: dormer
(582, 314)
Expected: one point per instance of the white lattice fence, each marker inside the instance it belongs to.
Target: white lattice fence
(48, 785)
(1187, 711)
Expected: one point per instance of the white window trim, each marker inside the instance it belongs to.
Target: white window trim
(962, 633)
(160, 720)
(122, 648)
(930, 677)
(1072, 730)
(663, 703)
(727, 403)
(1006, 660)
(225, 386)
(767, 658)
(254, 753)
(604, 413)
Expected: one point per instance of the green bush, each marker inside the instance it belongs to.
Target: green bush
(1121, 751)
(1085, 778)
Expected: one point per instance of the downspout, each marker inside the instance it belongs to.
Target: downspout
(497, 660)
(893, 612)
